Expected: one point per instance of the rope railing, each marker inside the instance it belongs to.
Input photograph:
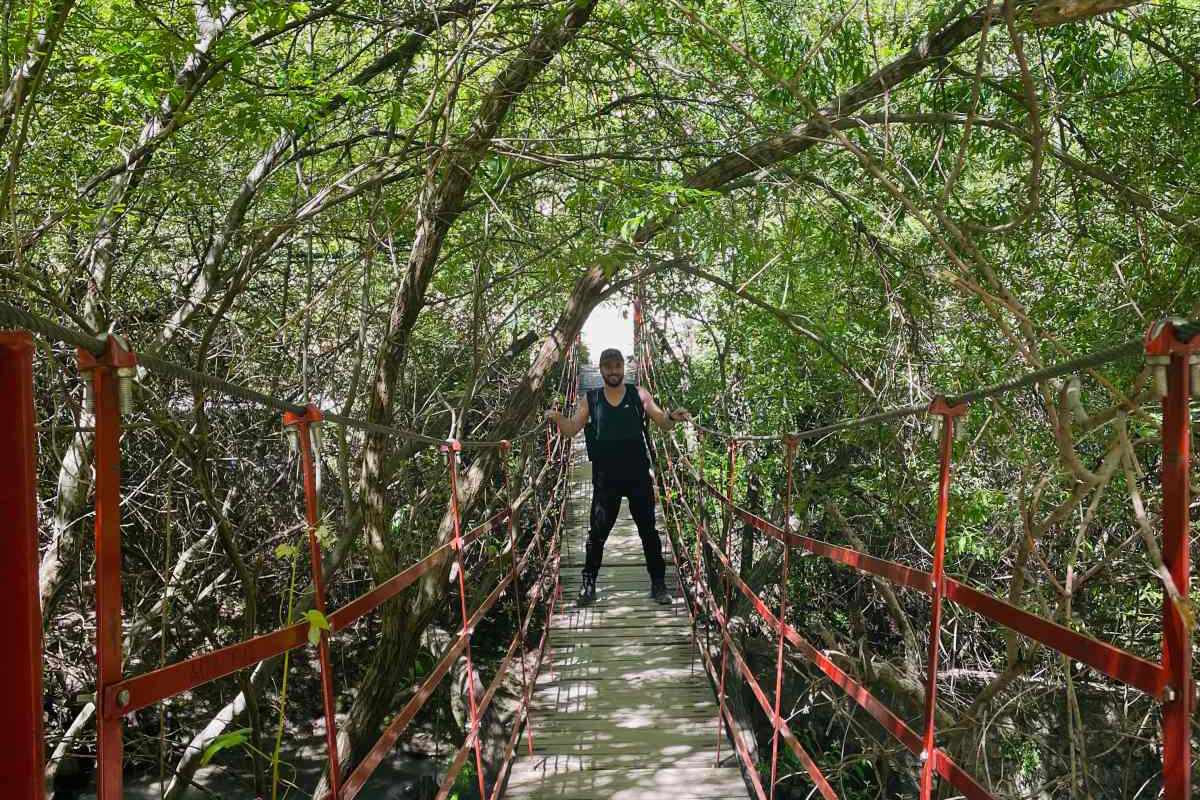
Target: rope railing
(1184, 331)
(1172, 350)
(118, 695)
(13, 317)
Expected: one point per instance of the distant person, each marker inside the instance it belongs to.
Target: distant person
(618, 447)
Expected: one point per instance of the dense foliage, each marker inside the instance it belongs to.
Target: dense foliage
(406, 211)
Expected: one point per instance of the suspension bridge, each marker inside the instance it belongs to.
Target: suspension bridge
(626, 699)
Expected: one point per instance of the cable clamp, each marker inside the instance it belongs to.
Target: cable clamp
(117, 357)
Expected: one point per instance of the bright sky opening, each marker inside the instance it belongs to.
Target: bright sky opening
(610, 325)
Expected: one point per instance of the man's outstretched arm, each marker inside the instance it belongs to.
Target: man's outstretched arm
(663, 419)
(569, 426)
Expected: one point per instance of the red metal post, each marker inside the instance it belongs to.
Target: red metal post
(106, 372)
(21, 745)
(948, 414)
(451, 449)
(1163, 344)
(305, 425)
(790, 458)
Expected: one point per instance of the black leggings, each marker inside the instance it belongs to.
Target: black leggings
(606, 503)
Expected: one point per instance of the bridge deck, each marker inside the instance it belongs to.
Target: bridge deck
(621, 711)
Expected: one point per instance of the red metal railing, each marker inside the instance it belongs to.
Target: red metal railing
(1169, 348)
(21, 769)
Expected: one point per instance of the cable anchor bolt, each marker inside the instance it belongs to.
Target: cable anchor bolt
(126, 372)
(89, 392)
(117, 357)
(1158, 368)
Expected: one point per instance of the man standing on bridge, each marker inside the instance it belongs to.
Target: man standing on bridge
(618, 447)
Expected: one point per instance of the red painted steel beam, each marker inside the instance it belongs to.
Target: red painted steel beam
(858, 693)
(959, 778)
(516, 644)
(365, 603)
(152, 687)
(460, 756)
(710, 668)
(781, 727)
(740, 746)
(785, 564)
(1106, 658)
(360, 775)
(908, 577)
(728, 528)
(21, 746)
(105, 380)
(523, 720)
(358, 778)
(1168, 351)
(485, 526)
(1112, 661)
(897, 573)
(887, 719)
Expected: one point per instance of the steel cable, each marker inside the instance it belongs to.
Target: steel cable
(1132, 347)
(11, 316)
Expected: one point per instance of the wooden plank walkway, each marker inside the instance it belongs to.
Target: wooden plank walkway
(622, 708)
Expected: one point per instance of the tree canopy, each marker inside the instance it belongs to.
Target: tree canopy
(406, 211)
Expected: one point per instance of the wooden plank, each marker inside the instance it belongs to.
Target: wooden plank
(676, 783)
(622, 709)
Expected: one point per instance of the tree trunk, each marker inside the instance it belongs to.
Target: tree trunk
(439, 206)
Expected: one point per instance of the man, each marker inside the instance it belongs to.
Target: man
(619, 451)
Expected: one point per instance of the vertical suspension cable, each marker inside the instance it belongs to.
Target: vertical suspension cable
(928, 753)
(726, 592)
(790, 458)
(451, 449)
(306, 430)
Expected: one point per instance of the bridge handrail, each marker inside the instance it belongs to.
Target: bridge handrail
(1173, 354)
(692, 602)
(118, 695)
(1118, 664)
(13, 317)
(472, 739)
(1183, 331)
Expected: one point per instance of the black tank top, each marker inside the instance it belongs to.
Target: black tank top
(618, 445)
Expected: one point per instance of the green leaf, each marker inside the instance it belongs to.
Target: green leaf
(326, 537)
(236, 738)
(316, 623)
(286, 551)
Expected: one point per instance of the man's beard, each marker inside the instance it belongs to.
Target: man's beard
(614, 380)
